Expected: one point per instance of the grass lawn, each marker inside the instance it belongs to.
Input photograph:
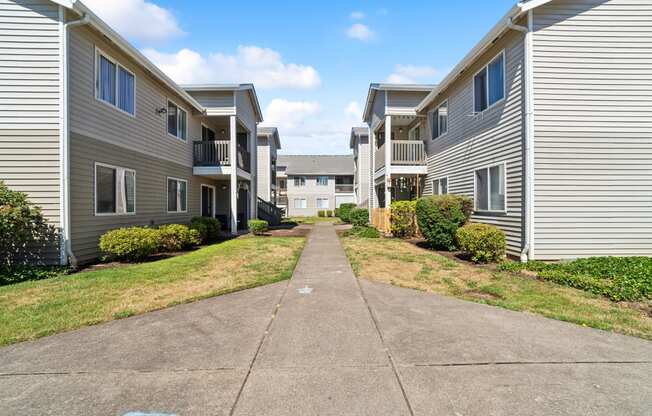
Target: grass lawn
(403, 264)
(312, 220)
(35, 309)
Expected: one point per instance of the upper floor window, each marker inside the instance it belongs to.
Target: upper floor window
(207, 133)
(322, 180)
(177, 121)
(440, 186)
(114, 84)
(490, 188)
(299, 181)
(489, 84)
(440, 120)
(115, 190)
(177, 195)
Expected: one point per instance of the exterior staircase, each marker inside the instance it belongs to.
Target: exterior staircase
(269, 212)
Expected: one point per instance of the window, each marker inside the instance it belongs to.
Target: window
(490, 188)
(177, 195)
(115, 190)
(323, 203)
(114, 84)
(489, 84)
(207, 134)
(177, 121)
(299, 181)
(301, 203)
(440, 186)
(322, 180)
(440, 121)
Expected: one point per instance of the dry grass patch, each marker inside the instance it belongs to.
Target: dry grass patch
(403, 264)
(34, 309)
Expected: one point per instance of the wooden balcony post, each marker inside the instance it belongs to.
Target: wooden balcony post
(234, 175)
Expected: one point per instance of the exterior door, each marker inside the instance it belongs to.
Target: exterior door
(207, 201)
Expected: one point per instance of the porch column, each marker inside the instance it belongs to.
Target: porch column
(253, 184)
(233, 159)
(388, 161)
(372, 168)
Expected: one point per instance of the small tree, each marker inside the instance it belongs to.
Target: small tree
(25, 235)
(403, 219)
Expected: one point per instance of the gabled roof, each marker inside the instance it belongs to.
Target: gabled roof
(375, 87)
(229, 87)
(485, 43)
(317, 164)
(270, 132)
(357, 132)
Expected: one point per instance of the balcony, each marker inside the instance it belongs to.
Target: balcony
(210, 153)
(344, 189)
(404, 153)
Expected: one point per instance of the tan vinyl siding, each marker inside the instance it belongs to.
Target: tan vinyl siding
(311, 191)
(363, 172)
(151, 192)
(214, 99)
(405, 99)
(30, 48)
(593, 121)
(494, 137)
(147, 131)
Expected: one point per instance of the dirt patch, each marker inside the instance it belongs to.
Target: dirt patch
(295, 231)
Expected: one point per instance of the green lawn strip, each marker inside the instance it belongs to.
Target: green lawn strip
(35, 309)
(402, 264)
(311, 220)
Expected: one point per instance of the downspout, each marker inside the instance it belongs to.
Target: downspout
(68, 256)
(528, 250)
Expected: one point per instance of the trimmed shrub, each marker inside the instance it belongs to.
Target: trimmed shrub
(440, 216)
(176, 237)
(25, 236)
(321, 214)
(329, 214)
(129, 244)
(208, 228)
(345, 212)
(363, 232)
(337, 212)
(484, 243)
(403, 219)
(258, 227)
(359, 217)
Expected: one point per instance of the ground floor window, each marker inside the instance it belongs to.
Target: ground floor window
(300, 203)
(177, 195)
(115, 190)
(440, 186)
(323, 203)
(490, 188)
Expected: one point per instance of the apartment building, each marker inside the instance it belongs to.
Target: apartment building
(359, 144)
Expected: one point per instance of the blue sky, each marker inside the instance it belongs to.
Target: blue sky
(311, 62)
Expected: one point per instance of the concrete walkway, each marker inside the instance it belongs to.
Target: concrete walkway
(326, 344)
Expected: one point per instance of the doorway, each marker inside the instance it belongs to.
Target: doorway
(208, 201)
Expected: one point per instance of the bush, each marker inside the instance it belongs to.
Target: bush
(208, 228)
(337, 212)
(403, 219)
(321, 214)
(440, 216)
(25, 235)
(363, 232)
(484, 243)
(617, 278)
(258, 227)
(17, 274)
(345, 212)
(130, 244)
(359, 217)
(176, 237)
(329, 214)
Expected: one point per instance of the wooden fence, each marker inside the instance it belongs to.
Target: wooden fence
(380, 219)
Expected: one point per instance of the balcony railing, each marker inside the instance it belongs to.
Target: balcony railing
(244, 159)
(404, 152)
(344, 189)
(216, 153)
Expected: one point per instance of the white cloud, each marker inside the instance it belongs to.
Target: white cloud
(357, 15)
(354, 111)
(412, 74)
(261, 66)
(137, 19)
(360, 32)
(291, 117)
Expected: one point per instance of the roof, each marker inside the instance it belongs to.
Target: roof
(270, 132)
(357, 132)
(375, 87)
(97, 23)
(229, 87)
(317, 164)
(485, 43)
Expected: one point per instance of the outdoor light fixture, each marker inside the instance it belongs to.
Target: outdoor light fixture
(162, 110)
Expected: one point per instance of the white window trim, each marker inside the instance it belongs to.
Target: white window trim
(115, 106)
(432, 114)
(412, 129)
(305, 180)
(438, 180)
(475, 189)
(294, 200)
(167, 195)
(328, 203)
(487, 87)
(320, 177)
(167, 121)
(117, 191)
(201, 198)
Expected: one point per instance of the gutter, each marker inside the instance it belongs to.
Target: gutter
(67, 256)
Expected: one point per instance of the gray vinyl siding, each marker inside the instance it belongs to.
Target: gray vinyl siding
(311, 191)
(264, 172)
(151, 192)
(405, 99)
(593, 121)
(363, 173)
(214, 99)
(494, 137)
(144, 133)
(30, 82)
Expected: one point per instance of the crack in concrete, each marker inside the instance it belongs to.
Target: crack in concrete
(516, 363)
(77, 373)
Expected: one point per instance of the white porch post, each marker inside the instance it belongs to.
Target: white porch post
(233, 159)
(388, 160)
(253, 184)
(372, 168)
